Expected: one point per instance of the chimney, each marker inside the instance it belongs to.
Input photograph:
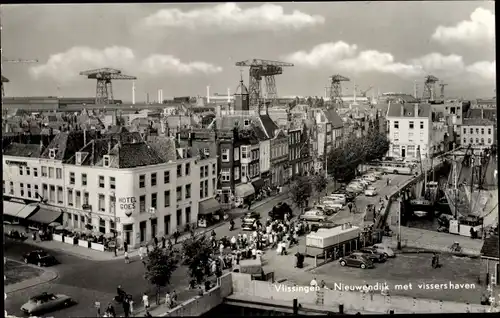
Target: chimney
(133, 93)
(482, 113)
(218, 111)
(416, 109)
(208, 94)
(402, 110)
(228, 95)
(160, 97)
(85, 136)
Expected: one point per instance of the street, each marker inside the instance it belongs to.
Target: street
(87, 281)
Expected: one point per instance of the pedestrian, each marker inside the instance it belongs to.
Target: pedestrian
(155, 241)
(145, 301)
(131, 305)
(127, 260)
(110, 310)
(125, 246)
(349, 205)
(126, 307)
(174, 296)
(142, 252)
(163, 241)
(176, 236)
(314, 282)
(168, 300)
(388, 181)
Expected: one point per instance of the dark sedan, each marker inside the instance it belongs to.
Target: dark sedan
(356, 261)
(40, 258)
(280, 210)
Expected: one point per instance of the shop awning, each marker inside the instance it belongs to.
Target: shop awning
(244, 190)
(258, 185)
(208, 206)
(18, 209)
(45, 216)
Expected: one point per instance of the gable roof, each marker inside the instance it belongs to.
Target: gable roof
(164, 146)
(333, 117)
(408, 110)
(490, 247)
(268, 125)
(136, 155)
(66, 143)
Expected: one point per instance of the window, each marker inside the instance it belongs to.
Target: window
(410, 137)
(187, 169)
(71, 177)
(489, 131)
(58, 173)
(51, 172)
(471, 130)
(482, 131)
(421, 125)
(153, 179)
(465, 130)
(201, 171)
(213, 185)
(225, 174)
(60, 195)
(179, 194)
(35, 172)
(166, 198)
(44, 171)
(78, 198)
(70, 197)
(225, 155)
(112, 204)
(102, 225)
(28, 186)
(465, 141)
(236, 173)
(101, 181)
(11, 189)
(179, 217)
(52, 193)
(106, 161)
(243, 171)
(21, 186)
(188, 214)
(201, 190)
(84, 179)
(245, 152)
(246, 122)
(142, 204)
(205, 188)
(477, 140)
(236, 153)
(102, 203)
(411, 124)
(154, 200)
(142, 181)
(471, 141)
(179, 171)
(166, 177)
(396, 136)
(188, 191)
(477, 131)
(21, 168)
(489, 140)
(482, 141)
(86, 198)
(396, 125)
(214, 169)
(112, 225)
(166, 220)
(112, 184)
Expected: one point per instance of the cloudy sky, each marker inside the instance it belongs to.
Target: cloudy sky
(182, 48)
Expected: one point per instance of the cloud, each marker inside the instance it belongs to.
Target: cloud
(157, 64)
(480, 28)
(232, 18)
(67, 65)
(343, 57)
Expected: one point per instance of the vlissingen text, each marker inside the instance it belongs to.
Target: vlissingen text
(296, 289)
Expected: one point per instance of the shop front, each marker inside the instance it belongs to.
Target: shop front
(45, 216)
(243, 192)
(16, 213)
(208, 212)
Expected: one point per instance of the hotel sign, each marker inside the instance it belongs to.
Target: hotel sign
(16, 163)
(127, 205)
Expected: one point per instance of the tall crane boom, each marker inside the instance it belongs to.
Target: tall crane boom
(262, 68)
(104, 88)
(336, 90)
(429, 88)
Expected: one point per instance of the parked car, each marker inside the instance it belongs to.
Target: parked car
(356, 261)
(46, 302)
(373, 254)
(354, 191)
(280, 210)
(251, 215)
(40, 258)
(328, 210)
(349, 196)
(375, 173)
(369, 178)
(313, 215)
(371, 192)
(341, 198)
(356, 185)
(16, 235)
(381, 248)
(363, 181)
(333, 204)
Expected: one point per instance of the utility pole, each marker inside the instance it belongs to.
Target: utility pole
(399, 223)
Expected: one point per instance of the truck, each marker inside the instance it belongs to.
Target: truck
(325, 240)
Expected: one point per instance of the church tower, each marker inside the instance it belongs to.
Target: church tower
(241, 97)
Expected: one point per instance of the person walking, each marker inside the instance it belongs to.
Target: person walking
(131, 305)
(155, 241)
(127, 259)
(145, 301)
(163, 241)
(126, 307)
(125, 246)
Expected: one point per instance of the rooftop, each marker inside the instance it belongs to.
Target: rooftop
(22, 150)
(408, 110)
(477, 122)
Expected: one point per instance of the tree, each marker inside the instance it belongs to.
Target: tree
(197, 251)
(301, 191)
(319, 182)
(160, 266)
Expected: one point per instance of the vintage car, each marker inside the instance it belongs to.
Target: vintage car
(46, 302)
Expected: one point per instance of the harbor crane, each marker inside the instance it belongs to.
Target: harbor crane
(258, 69)
(104, 88)
(336, 90)
(6, 80)
(442, 85)
(429, 87)
(363, 93)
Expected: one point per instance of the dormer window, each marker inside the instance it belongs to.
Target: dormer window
(246, 123)
(78, 158)
(206, 152)
(106, 160)
(52, 153)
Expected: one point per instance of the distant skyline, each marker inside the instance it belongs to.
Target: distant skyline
(182, 48)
